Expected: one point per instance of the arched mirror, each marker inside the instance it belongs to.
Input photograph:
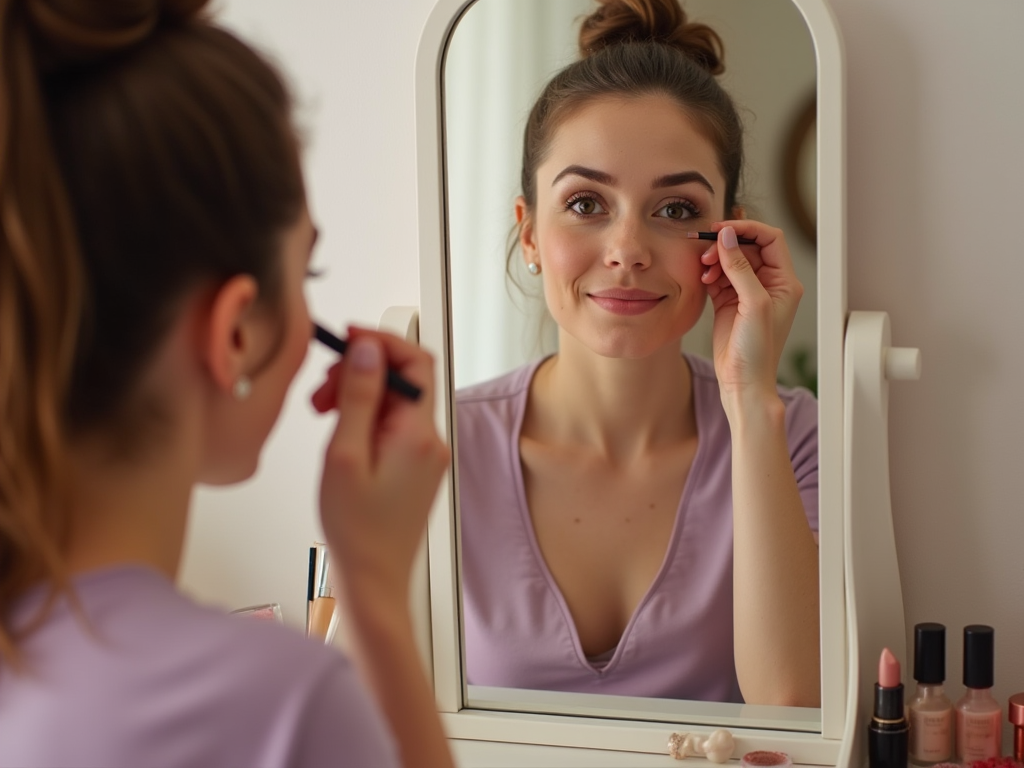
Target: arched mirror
(481, 67)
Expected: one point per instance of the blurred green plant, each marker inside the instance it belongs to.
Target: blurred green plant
(804, 371)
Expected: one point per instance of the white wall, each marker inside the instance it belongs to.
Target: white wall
(936, 121)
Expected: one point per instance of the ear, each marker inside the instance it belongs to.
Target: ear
(739, 212)
(231, 340)
(524, 220)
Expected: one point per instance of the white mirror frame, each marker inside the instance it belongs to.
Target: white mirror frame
(841, 702)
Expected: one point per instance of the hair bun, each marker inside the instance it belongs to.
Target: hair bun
(68, 32)
(662, 21)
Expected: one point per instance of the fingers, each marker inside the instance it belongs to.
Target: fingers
(326, 396)
(359, 395)
(771, 245)
(411, 361)
(738, 269)
(712, 269)
(414, 364)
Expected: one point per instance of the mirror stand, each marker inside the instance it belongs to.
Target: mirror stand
(874, 600)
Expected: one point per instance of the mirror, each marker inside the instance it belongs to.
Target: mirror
(500, 55)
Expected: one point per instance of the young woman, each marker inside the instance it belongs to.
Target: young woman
(636, 521)
(154, 239)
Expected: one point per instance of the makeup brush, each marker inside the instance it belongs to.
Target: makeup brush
(395, 381)
(714, 236)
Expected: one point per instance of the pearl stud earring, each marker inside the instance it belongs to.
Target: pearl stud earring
(242, 388)
(533, 268)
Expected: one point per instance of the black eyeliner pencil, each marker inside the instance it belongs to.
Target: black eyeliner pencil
(310, 584)
(395, 381)
(714, 236)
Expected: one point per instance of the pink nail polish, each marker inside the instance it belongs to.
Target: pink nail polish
(729, 237)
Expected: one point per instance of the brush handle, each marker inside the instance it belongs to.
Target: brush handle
(714, 236)
(395, 380)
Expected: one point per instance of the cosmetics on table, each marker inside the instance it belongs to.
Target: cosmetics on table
(1016, 707)
(311, 584)
(766, 759)
(265, 612)
(979, 723)
(930, 711)
(322, 610)
(888, 730)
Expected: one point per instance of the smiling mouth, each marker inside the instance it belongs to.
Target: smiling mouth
(622, 301)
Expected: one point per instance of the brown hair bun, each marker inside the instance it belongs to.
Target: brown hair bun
(662, 21)
(70, 32)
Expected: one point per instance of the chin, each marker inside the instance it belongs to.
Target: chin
(627, 346)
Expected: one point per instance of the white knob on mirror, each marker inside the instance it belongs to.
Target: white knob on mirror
(902, 363)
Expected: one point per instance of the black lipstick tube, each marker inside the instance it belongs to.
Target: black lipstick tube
(888, 731)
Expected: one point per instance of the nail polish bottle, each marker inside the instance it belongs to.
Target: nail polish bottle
(930, 711)
(979, 721)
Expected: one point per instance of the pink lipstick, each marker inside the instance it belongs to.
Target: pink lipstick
(888, 731)
(625, 301)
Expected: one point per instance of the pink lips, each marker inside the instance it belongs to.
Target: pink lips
(625, 301)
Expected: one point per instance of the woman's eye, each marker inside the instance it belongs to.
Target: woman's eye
(676, 211)
(585, 206)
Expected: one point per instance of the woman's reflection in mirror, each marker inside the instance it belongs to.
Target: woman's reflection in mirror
(637, 521)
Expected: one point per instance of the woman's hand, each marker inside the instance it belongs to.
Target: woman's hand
(755, 293)
(381, 473)
(382, 466)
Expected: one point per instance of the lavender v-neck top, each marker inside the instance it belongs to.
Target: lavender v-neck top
(162, 681)
(679, 642)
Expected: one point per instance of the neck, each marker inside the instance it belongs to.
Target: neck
(623, 408)
(130, 509)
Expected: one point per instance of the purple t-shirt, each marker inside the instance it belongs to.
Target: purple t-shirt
(157, 680)
(679, 642)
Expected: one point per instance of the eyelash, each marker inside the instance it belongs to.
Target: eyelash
(579, 196)
(313, 273)
(689, 205)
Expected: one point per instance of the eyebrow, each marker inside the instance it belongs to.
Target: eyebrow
(669, 180)
(587, 173)
(678, 179)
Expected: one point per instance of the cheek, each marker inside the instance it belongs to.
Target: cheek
(685, 260)
(300, 331)
(568, 254)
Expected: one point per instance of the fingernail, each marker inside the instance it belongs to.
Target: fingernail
(707, 253)
(364, 355)
(729, 237)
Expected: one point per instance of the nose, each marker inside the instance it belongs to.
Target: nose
(627, 245)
